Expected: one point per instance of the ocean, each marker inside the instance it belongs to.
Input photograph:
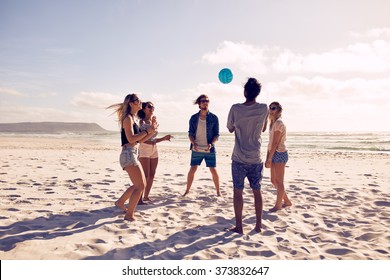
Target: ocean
(365, 142)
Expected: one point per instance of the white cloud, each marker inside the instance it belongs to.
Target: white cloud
(364, 57)
(325, 104)
(248, 58)
(46, 94)
(373, 57)
(95, 100)
(372, 33)
(10, 91)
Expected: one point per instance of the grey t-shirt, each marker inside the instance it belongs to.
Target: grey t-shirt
(248, 123)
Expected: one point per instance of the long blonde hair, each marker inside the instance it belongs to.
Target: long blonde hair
(123, 110)
(278, 114)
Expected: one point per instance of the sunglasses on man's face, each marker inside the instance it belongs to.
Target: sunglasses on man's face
(204, 101)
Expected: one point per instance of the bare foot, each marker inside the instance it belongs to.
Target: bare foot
(258, 229)
(185, 193)
(129, 218)
(218, 194)
(285, 205)
(146, 199)
(236, 230)
(140, 202)
(274, 209)
(121, 206)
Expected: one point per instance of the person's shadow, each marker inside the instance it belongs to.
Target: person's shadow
(177, 246)
(54, 226)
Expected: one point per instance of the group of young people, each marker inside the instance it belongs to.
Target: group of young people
(248, 120)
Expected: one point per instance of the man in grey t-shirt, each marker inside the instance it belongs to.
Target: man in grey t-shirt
(247, 120)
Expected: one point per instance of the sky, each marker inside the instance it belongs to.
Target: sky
(326, 62)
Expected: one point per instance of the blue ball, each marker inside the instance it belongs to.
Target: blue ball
(225, 75)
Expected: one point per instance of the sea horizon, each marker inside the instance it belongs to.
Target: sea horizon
(357, 141)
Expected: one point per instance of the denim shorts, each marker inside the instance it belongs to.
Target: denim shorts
(280, 157)
(254, 173)
(197, 158)
(129, 157)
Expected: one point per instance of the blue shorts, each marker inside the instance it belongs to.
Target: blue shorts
(254, 173)
(129, 156)
(197, 158)
(280, 157)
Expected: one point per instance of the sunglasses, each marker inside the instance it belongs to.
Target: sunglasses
(150, 106)
(136, 101)
(273, 108)
(204, 101)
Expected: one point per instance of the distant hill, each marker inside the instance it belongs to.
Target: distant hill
(50, 127)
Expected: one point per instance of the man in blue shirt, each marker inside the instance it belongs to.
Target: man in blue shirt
(203, 133)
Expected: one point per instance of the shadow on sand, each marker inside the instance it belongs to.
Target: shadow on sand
(178, 245)
(54, 226)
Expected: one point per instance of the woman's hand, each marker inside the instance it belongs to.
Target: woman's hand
(153, 128)
(167, 137)
(268, 163)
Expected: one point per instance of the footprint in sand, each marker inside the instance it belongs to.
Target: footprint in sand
(339, 252)
(382, 203)
(109, 181)
(103, 183)
(96, 196)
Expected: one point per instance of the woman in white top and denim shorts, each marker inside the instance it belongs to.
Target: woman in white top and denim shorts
(277, 155)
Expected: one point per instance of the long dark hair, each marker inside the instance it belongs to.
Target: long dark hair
(141, 113)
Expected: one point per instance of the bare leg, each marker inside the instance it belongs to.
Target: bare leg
(153, 162)
(277, 173)
(145, 166)
(215, 175)
(125, 196)
(258, 208)
(190, 178)
(137, 176)
(238, 206)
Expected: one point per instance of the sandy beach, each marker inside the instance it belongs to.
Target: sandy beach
(57, 202)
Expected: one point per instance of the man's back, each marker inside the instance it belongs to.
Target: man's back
(247, 121)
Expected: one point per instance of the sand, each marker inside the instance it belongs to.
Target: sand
(57, 202)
